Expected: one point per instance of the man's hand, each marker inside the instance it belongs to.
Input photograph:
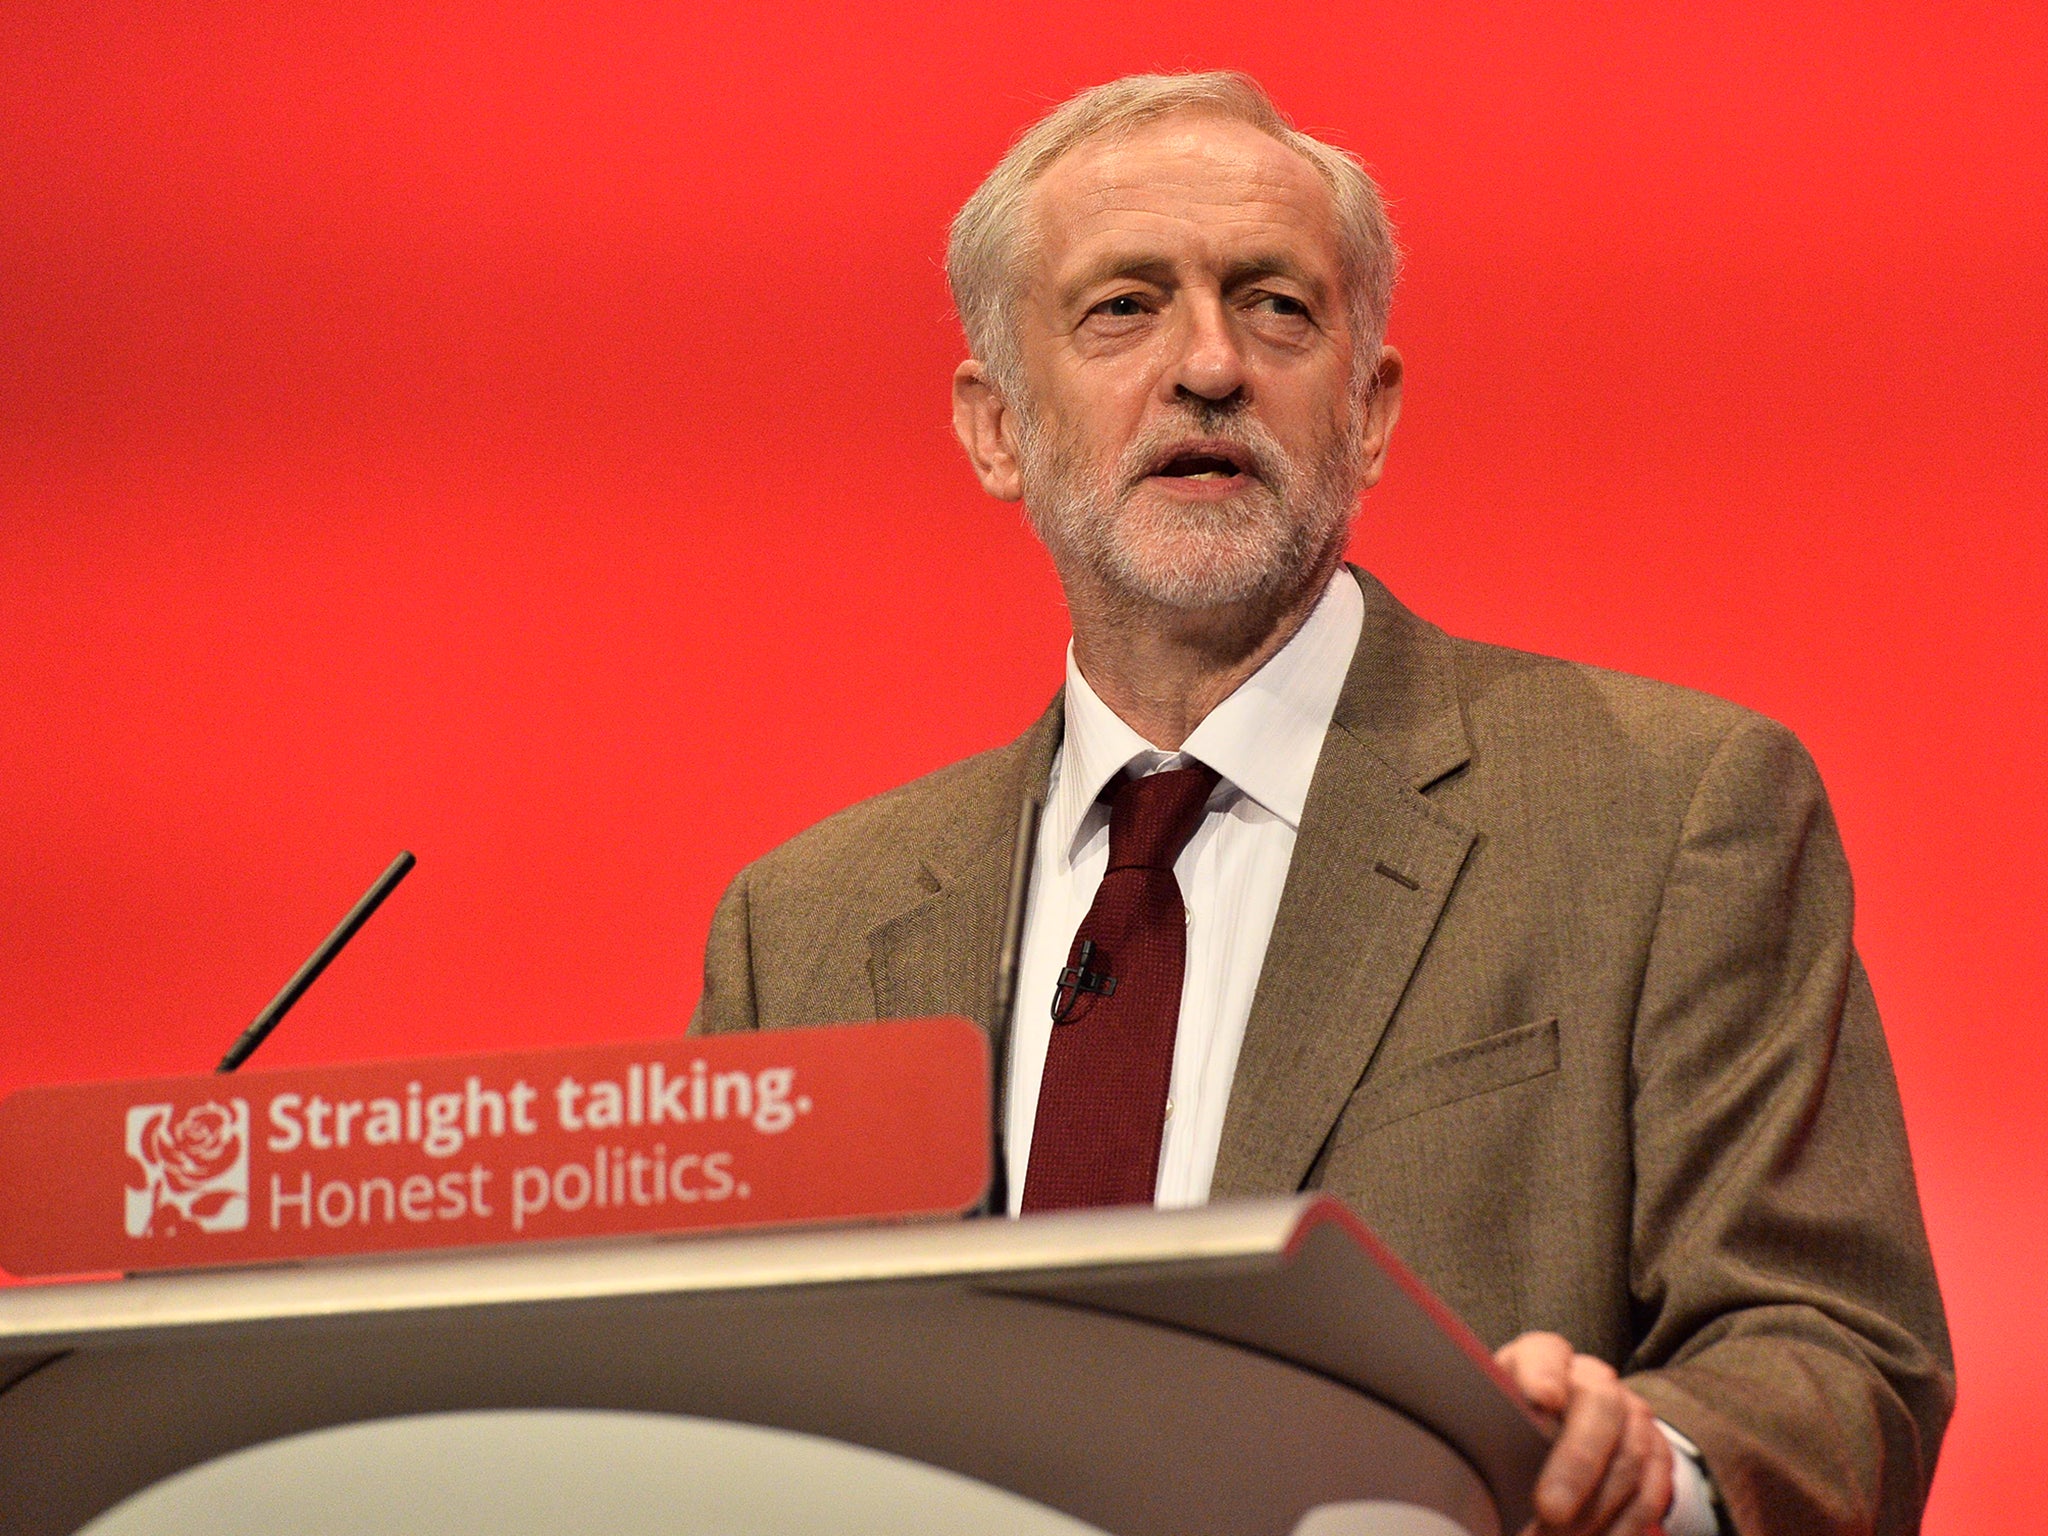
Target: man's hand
(1609, 1474)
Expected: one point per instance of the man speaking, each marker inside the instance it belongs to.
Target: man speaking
(1546, 970)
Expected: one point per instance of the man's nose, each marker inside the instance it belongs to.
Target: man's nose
(1210, 364)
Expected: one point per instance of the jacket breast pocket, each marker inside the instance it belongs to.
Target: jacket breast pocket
(1484, 1066)
(1451, 1160)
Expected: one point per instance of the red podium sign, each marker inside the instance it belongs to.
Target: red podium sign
(866, 1120)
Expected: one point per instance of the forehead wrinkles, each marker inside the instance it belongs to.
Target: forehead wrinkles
(1214, 176)
(1202, 213)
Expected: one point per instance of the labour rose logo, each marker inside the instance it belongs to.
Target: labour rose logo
(195, 1166)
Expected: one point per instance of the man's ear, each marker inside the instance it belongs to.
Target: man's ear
(987, 429)
(1382, 410)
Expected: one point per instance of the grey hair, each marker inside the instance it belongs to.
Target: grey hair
(991, 238)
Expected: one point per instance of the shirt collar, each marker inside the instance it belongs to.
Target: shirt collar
(1264, 739)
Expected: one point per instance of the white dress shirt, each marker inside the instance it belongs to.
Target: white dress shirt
(1263, 741)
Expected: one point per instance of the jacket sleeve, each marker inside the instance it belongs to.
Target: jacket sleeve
(1789, 1321)
(728, 1000)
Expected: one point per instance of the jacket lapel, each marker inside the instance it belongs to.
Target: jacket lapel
(941, 955)
(1374, 863)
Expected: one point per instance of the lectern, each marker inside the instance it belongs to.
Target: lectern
(1259, 1367)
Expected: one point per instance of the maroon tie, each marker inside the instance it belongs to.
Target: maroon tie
(1102, 1101)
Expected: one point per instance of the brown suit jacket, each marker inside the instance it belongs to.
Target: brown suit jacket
(1561, 997)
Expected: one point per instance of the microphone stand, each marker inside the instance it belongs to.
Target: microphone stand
(317, 962)
(1023, 855)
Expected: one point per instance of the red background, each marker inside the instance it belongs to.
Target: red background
(521, 435)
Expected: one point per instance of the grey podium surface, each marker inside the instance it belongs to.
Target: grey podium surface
(1254, 1367)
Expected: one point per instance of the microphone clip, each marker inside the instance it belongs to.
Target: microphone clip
(1076, 980)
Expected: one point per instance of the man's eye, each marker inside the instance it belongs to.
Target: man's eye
(1123, 307)
(1284, 304)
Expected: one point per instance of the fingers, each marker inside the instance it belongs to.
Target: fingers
(1610, 1469)
(1539, 1364)
(1636, 1491)
(1595, 1422)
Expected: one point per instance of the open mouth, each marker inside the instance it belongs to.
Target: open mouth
(1208, 462)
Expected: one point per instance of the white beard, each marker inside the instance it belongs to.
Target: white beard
(1191, 555)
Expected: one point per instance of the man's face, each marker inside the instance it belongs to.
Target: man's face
(1190, 433)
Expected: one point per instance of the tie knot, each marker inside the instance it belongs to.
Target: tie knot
(1152, 818)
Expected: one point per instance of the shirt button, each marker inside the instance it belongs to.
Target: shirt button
(1169, 1109)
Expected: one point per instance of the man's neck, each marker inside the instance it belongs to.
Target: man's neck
(1163, 669)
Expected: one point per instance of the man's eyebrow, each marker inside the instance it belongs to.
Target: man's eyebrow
(1144, 266)
(1262, 264)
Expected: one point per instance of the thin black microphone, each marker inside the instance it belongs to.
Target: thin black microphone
(309, 973)
(997, 1202)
